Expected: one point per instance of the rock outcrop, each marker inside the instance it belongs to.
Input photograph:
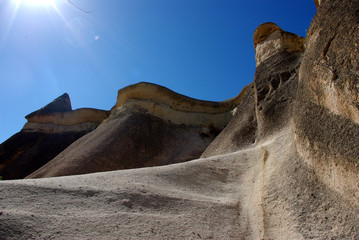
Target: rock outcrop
(179, 102)
(149, 126)
(268, 104)
(60, 104)
(269, 40)
(285, 166)
(48, 132)
(58, 116)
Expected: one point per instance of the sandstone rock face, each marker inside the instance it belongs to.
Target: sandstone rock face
(240, 132)
(263, 31)
(162, 95)
(267, 106)
(48, 132)
(269, 40)
(75, 120)
(130, 139)
(149, 126)
(72, 117)
(276, 81)
(326, 114)
(58, 116)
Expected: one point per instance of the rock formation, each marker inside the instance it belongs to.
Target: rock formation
(326, 116)
(268, 105)
(149, 126)
(48, 132)
(58, 116)
(269, 40)
(285, 165)
(60, 104)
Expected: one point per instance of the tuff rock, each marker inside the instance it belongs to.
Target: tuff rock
(279, 161)
(48, 132)
(149, 126)
(269, 40)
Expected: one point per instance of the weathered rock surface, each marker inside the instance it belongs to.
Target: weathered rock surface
(179, 102)
(60, 104)
(276, 81)
(25, 152)
(145, 129)
(267, 105)
(73, 117)
(241, 131)
(263, 31)
(326, 115)
(285, 166)
(130, 140)
(269, 40)
(48, 132)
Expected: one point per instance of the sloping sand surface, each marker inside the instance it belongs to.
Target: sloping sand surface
(258, 193)
(198, 199)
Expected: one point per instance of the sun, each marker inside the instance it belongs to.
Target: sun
(45, 3)
(36, 3)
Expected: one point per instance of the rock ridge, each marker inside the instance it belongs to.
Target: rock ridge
(163, 95)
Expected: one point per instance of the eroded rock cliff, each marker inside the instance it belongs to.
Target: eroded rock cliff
(268, 103)
(149, 126)
(285, 166)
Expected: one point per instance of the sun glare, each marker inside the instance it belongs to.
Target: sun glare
(36, 3)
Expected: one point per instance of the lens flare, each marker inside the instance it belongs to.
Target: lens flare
(36, 3)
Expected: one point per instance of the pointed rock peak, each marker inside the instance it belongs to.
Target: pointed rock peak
(60, 104)
(269, 40)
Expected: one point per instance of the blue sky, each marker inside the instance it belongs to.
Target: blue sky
(200, 48)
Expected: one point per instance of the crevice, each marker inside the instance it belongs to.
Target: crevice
(326, 49)
(264, 160)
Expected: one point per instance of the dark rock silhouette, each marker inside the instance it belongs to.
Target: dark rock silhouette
(42, 138)
(25, 152)
(60, 104)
